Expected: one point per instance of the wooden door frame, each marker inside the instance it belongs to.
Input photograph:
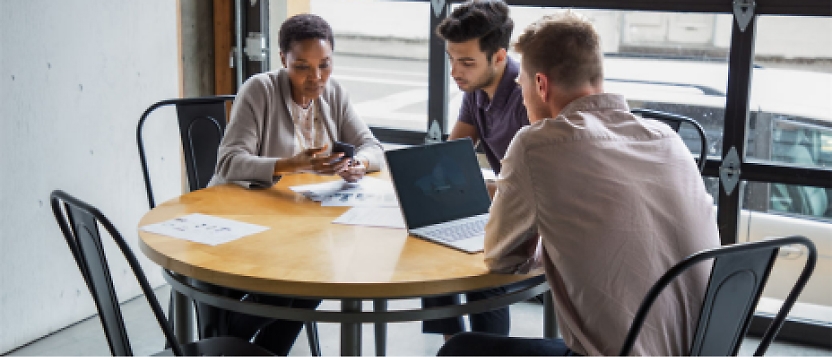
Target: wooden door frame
(223, 44)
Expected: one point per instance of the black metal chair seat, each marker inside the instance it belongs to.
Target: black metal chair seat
(738, 276)
(79, 224)
(202, 123)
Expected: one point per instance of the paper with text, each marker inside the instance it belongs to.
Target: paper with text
(369, 191)
(204, 229)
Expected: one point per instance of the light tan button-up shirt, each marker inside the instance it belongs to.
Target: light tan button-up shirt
(616, 200)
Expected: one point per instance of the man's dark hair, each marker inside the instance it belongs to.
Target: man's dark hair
(486, 20)
(303, 27)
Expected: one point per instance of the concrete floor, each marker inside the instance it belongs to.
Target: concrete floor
(404, 339)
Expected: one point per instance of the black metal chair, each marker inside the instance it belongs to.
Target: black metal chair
(738, 276)
(675, 121)
(79, 223)
(202, 123)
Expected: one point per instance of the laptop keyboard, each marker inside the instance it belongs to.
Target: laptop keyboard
(457, 230)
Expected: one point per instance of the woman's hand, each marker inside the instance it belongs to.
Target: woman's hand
(310, 161)
(354, 172)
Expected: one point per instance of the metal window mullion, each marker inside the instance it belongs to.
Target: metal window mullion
(252, 24)
(769, 7)
(792, 175)
(437, 72)
(709, 6)
(736, 119)
(238, 40)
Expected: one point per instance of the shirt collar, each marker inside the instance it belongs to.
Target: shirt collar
(507, 85)
(596, 102)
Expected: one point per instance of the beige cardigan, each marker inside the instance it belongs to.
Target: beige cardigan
(261, 130)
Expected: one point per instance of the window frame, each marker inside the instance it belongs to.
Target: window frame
(737, 114)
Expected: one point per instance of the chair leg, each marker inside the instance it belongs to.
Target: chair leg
(312, 336)
(380, 305)
(550, 325)
(170, 316)
(182, 316)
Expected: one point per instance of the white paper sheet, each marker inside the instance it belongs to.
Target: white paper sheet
(204, 229)
(388, 217)
(361, 199)
(369, 191)
(318, 191)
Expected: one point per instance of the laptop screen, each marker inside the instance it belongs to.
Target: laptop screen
(437, 183)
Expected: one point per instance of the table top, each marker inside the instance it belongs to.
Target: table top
(304, 254)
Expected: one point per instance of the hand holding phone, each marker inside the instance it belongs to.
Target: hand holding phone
(347, 149)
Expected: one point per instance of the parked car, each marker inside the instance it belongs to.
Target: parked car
(790, 122)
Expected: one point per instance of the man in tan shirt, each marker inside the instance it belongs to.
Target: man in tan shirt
(605, 201)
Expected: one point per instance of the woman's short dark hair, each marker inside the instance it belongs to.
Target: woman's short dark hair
(303, 27)
(486, 20)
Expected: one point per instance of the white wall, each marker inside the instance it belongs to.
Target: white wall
(74, 78)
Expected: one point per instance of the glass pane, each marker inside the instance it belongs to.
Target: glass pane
(382, 62)
(791, 118)
(791, 123)
(777, 210)
(670, 62)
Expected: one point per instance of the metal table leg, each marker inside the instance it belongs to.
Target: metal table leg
(350, 332)
(380, 305)
(182, 318)
(550, 325)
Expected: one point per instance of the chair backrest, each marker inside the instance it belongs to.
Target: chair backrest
(79, 223)
(675, 121)
(738, 276)
(202, 124)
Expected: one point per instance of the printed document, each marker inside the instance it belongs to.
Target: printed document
(204, 229)
(369, 191)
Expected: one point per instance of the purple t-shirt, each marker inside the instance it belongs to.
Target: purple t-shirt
(497, 120)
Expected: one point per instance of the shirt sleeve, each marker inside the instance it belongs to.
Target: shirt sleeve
(511, 238)
(466, 114)
(238, 160)
(354, 130)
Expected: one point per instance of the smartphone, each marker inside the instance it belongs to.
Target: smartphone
(347, 149)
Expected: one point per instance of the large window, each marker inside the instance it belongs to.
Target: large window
(790, 123)
(761, 87)
(381, 52)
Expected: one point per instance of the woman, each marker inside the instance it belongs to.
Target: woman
(284, 122)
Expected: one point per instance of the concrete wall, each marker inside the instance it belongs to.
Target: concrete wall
(75, 75)
(197, 41)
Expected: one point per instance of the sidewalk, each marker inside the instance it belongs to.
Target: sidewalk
(382, 47)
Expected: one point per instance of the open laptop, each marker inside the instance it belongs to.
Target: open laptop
(442, 193)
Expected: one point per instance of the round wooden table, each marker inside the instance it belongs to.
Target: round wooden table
(303, 254)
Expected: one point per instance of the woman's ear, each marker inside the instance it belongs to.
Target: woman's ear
(283, 59)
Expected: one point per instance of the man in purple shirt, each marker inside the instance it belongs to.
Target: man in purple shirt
(477, 34)
(492, 107)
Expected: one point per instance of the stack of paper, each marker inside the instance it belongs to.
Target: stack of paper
(373, 201)
(369, 192)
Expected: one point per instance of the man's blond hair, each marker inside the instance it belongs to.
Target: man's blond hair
(565, 47)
